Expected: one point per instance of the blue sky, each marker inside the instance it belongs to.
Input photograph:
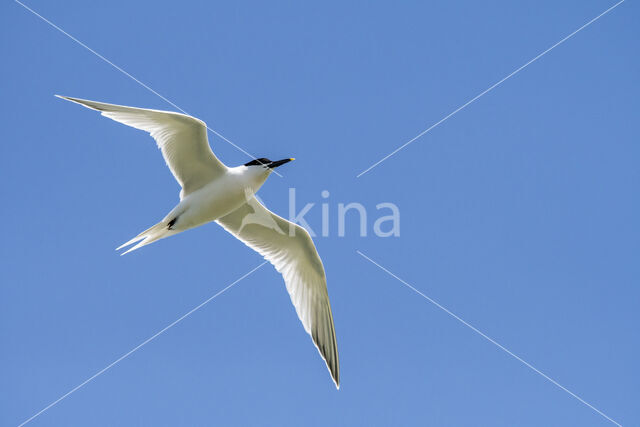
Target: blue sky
(519, 214)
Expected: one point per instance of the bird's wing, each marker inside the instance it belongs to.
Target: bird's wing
(291, 251)
(181, 138)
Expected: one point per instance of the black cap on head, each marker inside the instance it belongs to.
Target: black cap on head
(268, 163)
(257, 162)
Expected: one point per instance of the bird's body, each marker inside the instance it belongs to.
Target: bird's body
(214, 200)
(219, 197)
(212, 191)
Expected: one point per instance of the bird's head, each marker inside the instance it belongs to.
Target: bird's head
(265, 163)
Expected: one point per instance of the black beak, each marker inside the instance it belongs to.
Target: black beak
(279, 163)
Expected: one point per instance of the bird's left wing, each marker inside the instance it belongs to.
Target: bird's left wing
(291, 251)
(181, 138)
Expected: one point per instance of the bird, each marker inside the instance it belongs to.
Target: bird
(211, 191)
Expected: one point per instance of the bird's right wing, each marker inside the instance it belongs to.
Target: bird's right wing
(181, 138)
(291, 251)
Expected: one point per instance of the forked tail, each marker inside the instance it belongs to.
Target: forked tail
(157, 232)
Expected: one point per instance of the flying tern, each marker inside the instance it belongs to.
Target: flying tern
(211, 191)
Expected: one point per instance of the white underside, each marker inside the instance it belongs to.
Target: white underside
(212, 201)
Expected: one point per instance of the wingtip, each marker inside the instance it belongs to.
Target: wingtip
(69, 98)
(76, 100)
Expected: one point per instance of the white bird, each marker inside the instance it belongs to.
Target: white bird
(212, 191)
